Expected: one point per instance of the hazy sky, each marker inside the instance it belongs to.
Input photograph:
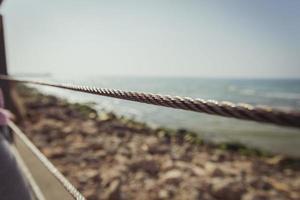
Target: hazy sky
(178, 38)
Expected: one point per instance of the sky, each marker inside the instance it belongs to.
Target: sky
(154, 38)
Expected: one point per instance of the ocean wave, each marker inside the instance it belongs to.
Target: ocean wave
(283, 95)
(253, 92)
(232, 88)
(248, 92)
(242, 91)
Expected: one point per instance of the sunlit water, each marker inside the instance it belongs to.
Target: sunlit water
(284, 94)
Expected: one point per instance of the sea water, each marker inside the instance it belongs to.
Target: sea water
(279, 93)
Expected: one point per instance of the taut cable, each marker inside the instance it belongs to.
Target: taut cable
(50, 167)
(227, 109)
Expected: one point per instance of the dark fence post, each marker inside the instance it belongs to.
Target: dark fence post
(3, 67)
(7, 88)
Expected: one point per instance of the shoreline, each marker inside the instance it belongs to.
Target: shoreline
(263, 136)
(121, 152)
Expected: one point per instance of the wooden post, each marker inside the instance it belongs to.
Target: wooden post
(9, 93)
(3, 67)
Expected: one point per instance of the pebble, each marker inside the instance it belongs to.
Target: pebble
(227, 189)
(149, 165)
(172, 177)
(113, 191)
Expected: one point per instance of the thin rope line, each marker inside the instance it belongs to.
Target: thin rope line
(51, 168)
(35, 189)
(243, 111)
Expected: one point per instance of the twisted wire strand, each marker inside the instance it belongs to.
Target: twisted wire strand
(226, 109)
(50, 167)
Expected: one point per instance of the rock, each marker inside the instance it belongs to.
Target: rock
(100, 154)
(53, 152)
(281, 186)
(213, 170)
(96, 143)
(121, 159)
(295, 195)
(179, 153)
(57, 114)
(150, 166)
(109, 174)
(172, 177)
(90, 156)
(205, 196)
(90, 194)
(275, 160)
(150, 183)
(102, 117)
(260, 183)
(92, 115)
(89, 128)
(183, 166)
(259, 195)
(218, 157)
(296, 183)
(113, 191)
(217, 173)
(88, 175)
(160, 149)
(163, 194)
(112, 145)
(78, 146)
(156, 148)
(91, 173)
(197, 171)
(124, 151)
(67, 129)
(254, 196)
(227, 189)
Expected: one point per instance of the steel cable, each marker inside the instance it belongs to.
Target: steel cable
(50, 167)
(243, 111)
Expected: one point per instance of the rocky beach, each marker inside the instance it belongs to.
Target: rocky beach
(107, 156)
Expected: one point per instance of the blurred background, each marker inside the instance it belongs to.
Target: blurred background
(233, 51)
